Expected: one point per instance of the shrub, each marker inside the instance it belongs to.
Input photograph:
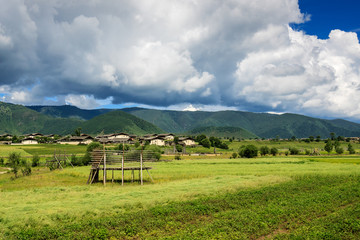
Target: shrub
(234, 155)
(274, 151)
(351, 149)
(307, 152)
(177, 157)
(155, 152)
(25, 168)
(124, 147)
(35, 160)
(205, 143)
(294, 151)
(248, 151)
(179, 148)
(1, 161)
(76, 161)
(264, 150)
(87, 157)
(17, 164)
(339, 150)
(14, 163)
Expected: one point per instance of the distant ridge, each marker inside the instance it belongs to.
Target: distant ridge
(225, 132)
(264, 125)
(119, 121)
(68, 111)
(19, 120)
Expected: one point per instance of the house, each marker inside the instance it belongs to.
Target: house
(158, 141)
(187, 141)
(167, 136)
(119, 135)
(76, 140)
(33, 135)
(29, 140)
(6, 136)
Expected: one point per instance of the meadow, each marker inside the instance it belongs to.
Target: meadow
(282, 197)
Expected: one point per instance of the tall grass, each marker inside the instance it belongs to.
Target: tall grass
(203, 198)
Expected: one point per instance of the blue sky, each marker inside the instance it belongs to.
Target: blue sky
(327, 15)
(261, 55)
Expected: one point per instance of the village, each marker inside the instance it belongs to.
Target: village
(85, 139)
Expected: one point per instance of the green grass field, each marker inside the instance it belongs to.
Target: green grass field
(297, 197)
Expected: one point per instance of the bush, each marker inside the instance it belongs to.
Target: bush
(155, 152)
(351, 149)
(75, 161)
(294, 151)
(264, 150)
(205, 143)
(179, 148)
(35, 160)
(1, 162)
(234, 155)
(248, 151)
(177, 157)
(339, 150)
(124, 147)
(307, 152)
(274, 151)
(17, 164)
(87, 157)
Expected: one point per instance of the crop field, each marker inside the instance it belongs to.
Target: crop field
(283, 197)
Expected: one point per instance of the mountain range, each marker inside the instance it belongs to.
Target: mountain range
(17, 119)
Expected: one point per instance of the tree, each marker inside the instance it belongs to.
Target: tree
(318, 138)
(311, 138)
(200, 138)
(340, 138)
(248, 151)
(336, 144)
(264, 150)
(205, 143)
(77, 131)
(328, 146)
(351, 149)
(332, 135)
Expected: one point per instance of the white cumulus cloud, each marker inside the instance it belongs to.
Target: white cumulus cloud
(236, 54)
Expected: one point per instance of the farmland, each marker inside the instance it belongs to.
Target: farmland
(282, 197)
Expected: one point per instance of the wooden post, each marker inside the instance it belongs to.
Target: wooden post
(141, 166)
(132, 175)
(122, 166)
(112, 179)
(104, 176)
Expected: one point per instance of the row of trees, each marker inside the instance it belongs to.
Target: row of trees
(211, 142)
(251, 151)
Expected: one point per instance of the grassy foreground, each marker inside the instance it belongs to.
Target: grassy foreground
(263, 198)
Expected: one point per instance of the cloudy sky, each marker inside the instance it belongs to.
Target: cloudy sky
(260, 55)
